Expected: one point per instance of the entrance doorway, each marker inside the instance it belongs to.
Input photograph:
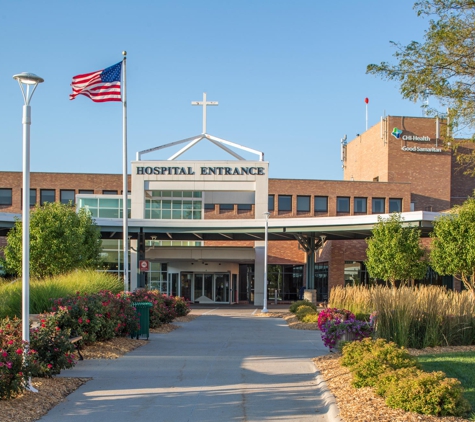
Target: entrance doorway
(211, 288)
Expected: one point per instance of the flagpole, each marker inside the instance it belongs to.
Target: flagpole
(124, 171)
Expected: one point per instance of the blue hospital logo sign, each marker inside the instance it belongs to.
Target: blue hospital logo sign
(396, 133)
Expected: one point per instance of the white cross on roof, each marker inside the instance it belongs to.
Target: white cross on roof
(204, 103)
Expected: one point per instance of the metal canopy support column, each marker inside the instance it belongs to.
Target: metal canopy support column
(310, 244)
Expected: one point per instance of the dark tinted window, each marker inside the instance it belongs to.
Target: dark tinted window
(303, 203)
(47, 195)
(395, 205)
(321, 203)
(378, 206)
(360, 205)
(244, 207)
(5, 196)
(343, 204)
(285, 203)
(67, 196)
(270, 205)
(226, 207)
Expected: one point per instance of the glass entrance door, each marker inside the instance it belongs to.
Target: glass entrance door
(203, 287)
(211, 287)
(221, 288)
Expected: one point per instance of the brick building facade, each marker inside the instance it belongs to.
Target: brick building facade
(397, 165)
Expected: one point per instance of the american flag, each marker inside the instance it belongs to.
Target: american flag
(100, 86)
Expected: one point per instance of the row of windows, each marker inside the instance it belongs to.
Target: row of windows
(49, 195)
(229, 207)
(320, 204)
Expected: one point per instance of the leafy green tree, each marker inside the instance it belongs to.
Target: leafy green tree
(60, 240)
(443, 66)
(453, 246)
(394, 252)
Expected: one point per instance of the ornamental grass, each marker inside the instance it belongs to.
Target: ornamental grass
(43, 291)
(415, 317)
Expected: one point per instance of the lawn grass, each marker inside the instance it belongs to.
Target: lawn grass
(456, 365)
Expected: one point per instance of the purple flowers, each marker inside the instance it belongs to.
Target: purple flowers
(340, 324)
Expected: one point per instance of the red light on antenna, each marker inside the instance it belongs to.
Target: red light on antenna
(366, 100)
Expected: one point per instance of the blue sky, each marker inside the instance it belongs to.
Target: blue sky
(289, 77)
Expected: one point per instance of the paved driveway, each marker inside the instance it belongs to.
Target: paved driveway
(226, 365)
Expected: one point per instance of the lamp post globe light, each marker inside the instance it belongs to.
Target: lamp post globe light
(28, 83)
(264, 308)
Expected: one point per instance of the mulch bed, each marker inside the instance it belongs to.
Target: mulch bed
(362, 404)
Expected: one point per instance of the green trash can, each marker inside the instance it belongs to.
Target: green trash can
(142, 309)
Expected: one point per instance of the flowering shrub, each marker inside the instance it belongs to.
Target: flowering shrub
(164, 308)
(54, 351)
(182, 306)
(333, 331)
(333, 313)
(97, 317)
(14, 364)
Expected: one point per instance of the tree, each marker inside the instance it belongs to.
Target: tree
(394, 252)
(442, 66)
(60, 240)
(453, 246)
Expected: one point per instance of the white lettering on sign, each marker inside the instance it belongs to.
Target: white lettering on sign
(419, 149)
(415, 138)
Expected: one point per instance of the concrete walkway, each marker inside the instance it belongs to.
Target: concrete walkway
(226, 365)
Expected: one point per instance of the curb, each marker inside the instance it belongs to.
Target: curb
(333, 412)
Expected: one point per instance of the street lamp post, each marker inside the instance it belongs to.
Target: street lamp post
(28, 83)
(264, 308)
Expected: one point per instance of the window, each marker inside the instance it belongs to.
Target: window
(86, 191)
(109, 192)
(177, 205)
(244, 207)
(226, 207)
(270, 205)
(360, 205)
(378, 206)
(285, 203)
(342, 204)
(209, 207)
(321, 203)
(303, 203)
(66, 196)
(32, 197)
(47, 195)
(5, 196)
(395, 205)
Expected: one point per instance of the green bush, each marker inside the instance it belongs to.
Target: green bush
(310, 318)
(304, 310)
(293, 308)
(373, 359)
(389, 378)
(353, 352)
(427, 393)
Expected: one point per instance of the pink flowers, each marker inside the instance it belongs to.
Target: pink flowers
(19, 351)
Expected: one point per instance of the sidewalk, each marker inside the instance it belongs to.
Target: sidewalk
(226, 365)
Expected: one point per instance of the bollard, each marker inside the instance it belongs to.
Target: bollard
(275, 297)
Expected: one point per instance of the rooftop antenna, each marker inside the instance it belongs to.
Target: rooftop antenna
(343, 151)
(366, 100)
